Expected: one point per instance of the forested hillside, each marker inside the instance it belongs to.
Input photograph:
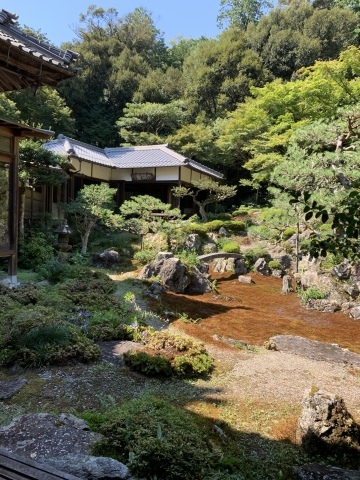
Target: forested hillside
(266, 102)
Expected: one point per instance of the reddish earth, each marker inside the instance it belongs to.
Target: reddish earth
(255, 312)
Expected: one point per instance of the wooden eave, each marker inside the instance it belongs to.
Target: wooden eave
(23, 131)
(19, 69)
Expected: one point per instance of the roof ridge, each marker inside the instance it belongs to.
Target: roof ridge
(80, 143)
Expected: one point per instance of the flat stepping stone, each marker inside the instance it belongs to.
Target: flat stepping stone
(9, 388)
(320, 351)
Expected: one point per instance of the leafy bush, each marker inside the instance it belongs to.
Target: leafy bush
(35, 250)
(25, 294)
(145, 256)
(313, 293)
(331, 260)
(36, 336)
(275, 265)
(231, 247)
(156, 440)
(152, 365)
(190, 259)
(54, 271)
(92, 291)
(180, 356)
(252, 254)
(288, 233)
(261, 232)
(198, 228)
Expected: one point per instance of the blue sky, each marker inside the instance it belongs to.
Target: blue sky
(58, 19)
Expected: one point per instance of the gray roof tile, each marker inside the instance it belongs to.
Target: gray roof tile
(127, 157)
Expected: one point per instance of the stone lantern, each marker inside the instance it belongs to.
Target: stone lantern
(63, 231)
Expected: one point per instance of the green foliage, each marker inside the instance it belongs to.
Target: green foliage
(252, 254)
(261, 232)
(35, 335)
(180, 356)
(156, 440)
(190, 259)
(27, 294)
(148, 364)
(241, 12)
(90, 292)
(288, 233)
(275, 265)
(35, 250)
(94, 204)
(331, 260)
(214, 191)
(54, 271)
(145, 256)
(230, 246)
(313, 293)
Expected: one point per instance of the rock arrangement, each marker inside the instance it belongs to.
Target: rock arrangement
(63, 442)
(175, 276)
(325, 425)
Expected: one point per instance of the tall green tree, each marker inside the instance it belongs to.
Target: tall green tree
(205, 192)
(242, 12)
(37, 167)
(116, 53)
(145, 123)
(94, 204)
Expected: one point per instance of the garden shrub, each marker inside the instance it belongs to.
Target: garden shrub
(93, 291)
(331, 260)
(34, 251)
(261, 232)
(288, 233)
(275, 265)
(313, 293)
(231, 247)
(186, 357)
(190, 259)
(152, 365)
(156, 440)
(145, 256)
(54, 271)
(27, 294)
(253, 254)
(198, 228)
(37, 336)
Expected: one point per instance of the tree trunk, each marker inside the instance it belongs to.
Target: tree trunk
(202, 212)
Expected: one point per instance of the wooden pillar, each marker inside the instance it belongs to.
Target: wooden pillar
(14, 213)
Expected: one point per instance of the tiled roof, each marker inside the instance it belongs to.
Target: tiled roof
(127, 157)
(26, 61)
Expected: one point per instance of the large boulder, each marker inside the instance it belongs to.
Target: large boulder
(325, 425)
(41, 435)
(175, 276)
(193, 243)
(89, 467)
(108, 258)
(261, 266)
(199, 283)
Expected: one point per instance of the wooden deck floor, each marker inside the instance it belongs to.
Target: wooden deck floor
(13, 467)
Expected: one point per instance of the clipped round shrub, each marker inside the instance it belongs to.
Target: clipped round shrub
(152, 365)
(180, 356)
(275, 265)
(231, 247)
(156, 440)
(288, 233)
(198, 228)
